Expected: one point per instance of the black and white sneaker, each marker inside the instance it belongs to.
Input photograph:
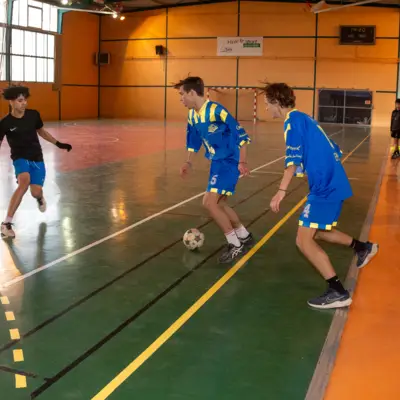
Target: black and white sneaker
(231, 253)
(331, 299)
(365, 256)
(248, 241)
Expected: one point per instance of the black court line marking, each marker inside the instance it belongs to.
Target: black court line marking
(5, 368)
(119, 277)
(137, 314)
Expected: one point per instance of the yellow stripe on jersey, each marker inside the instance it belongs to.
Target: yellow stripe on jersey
(286, 131)
(202, 112)
(288, 114)
(325, 136)
(190, 118)
(212, 112)
(223, 115)
(196, 118)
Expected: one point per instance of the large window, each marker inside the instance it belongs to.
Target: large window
(32, 52)
(32, 56)
(345, 107)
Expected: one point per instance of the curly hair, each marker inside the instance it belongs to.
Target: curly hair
(191, 83)
(13, 92)
(280, 93)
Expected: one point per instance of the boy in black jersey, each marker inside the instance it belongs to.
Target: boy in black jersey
(21, 127)
(395, 130)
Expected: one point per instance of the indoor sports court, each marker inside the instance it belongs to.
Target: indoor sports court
(99, 296)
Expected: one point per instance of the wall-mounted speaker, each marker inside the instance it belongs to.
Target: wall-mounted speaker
(102, 58)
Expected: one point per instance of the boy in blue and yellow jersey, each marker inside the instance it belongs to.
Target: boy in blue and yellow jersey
(308, 146)
(212, 126)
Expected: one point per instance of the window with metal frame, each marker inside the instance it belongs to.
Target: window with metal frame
(33, 46)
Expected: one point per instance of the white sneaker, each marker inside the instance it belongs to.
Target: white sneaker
(42, 204)
(6, 230)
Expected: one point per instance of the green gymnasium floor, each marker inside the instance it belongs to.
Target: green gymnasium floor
(96, 302)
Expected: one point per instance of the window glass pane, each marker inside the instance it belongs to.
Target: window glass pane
(41, 69)
(17, 41)
(41, 45)
(35, 3)
(50, 46)
(17, 68)
(358, 99)
(23, 12)
(3, 11)
(2, 40)
(331, 98)
(50, 70)
(2, 67)
(53, 19)
(331, 115)
(46, 17)
(15, 13)
(30, 43)
(35, 17)
(359, 116)
(30, 69)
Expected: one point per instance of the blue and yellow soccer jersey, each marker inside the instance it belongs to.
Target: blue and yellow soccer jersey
(220, 133)
(308, 146)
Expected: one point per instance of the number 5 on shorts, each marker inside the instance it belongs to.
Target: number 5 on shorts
(213, 180)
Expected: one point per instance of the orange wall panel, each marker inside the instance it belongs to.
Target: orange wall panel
(357, 75)
(215, 72)
(146, 24)
(79, 102)
(80, 38)
(275, 19)
(203, 21)
(383, 107)
(295, 73)
(133, 63)
(128, 102)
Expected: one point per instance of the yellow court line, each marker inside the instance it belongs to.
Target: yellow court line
(4, 300)
(146, 354)
(18, 355)
(20, 381)
(14, 334)
(10, 316)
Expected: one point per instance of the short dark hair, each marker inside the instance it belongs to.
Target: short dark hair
(280, 93)
(191, 83)
(397, 101)
(13, 92)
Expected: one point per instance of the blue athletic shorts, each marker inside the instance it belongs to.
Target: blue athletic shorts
(321, 214)
(36, 170)
(224, 175)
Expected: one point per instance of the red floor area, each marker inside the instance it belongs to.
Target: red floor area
(100, 142)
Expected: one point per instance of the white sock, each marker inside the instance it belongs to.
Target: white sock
(8, 220)
(232, 238)
(242, 232)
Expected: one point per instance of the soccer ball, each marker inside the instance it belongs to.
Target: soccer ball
(193, 239)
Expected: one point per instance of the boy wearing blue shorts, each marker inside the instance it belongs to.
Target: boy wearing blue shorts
(224, 140)
(21, 128)
(308, 147)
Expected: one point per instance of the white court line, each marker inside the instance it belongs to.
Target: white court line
(128, 228)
